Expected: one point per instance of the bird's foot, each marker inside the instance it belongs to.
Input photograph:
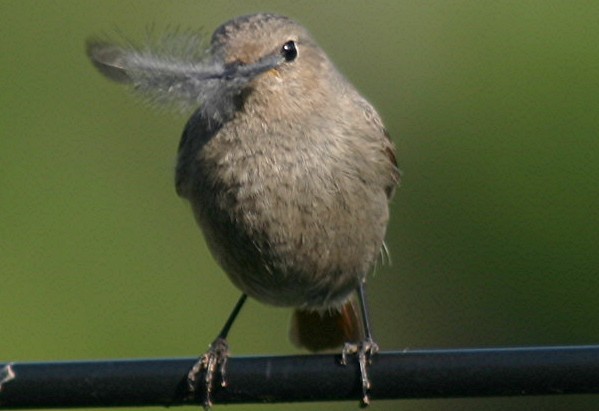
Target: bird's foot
(364, 350)
(213, 361)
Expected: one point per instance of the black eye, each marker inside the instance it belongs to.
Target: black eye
(288, 51)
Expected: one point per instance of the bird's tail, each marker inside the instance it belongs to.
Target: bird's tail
(317, 331)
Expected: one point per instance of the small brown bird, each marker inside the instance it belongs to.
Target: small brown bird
(288, 169)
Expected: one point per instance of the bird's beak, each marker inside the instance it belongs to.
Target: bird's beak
(248, 71)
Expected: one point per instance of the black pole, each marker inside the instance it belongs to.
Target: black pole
(409, 374)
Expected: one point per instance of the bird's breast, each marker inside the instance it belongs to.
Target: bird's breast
(283, 222)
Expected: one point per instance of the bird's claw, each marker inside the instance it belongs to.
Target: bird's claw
(215, 359)
(365, 350)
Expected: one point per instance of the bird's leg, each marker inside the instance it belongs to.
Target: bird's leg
(365, 349)
(215, 359)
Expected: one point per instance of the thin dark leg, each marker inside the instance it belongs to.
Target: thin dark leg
(215, 358)
(364, 349)
(364, 310)
(227, 327)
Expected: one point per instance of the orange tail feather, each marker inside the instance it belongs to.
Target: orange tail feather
(318, 331)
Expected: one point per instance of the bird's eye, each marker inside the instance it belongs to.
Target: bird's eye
(289, 51)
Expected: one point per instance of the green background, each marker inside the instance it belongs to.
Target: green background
(494, 106)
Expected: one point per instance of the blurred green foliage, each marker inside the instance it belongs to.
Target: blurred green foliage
(495, 110)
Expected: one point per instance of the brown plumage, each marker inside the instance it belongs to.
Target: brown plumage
(287, 168)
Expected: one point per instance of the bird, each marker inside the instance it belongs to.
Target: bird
(289, 172)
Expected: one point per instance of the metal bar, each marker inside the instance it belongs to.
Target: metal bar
(395, 375)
